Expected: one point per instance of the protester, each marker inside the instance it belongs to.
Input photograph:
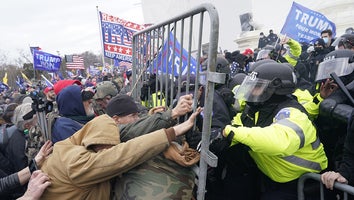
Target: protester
(94, 155)
(10, 183)
(49, 94)
(128, 83)
(105, 91)
(36, 186)
(58, 86)
(328, 39)
(14, 152)
(23, 119)
(137, 181)
(75, 109)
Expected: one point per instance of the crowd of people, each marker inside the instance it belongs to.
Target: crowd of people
(279, 114)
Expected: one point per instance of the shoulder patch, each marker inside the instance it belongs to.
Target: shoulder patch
(282, 114)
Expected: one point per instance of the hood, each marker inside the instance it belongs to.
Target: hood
(100, 130)
(69, 102)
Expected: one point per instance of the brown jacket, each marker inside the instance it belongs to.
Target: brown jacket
(77, 172)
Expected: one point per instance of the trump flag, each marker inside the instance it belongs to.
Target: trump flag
(45, 61)
(305, 25)
(117, 35)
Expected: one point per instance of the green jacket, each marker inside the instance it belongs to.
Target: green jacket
(145, 125)
(157, 178)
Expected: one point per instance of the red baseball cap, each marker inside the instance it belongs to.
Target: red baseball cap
(47, 89)
(247, 52)
(58, 86)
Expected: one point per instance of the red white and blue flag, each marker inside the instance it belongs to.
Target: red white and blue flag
(74, 62)
(117, 35)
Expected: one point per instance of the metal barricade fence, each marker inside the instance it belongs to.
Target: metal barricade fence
(166, 60)
(346, 189)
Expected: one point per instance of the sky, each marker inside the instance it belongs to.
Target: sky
(72, 27)
(64, 27)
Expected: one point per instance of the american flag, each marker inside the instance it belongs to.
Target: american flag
(74, 62)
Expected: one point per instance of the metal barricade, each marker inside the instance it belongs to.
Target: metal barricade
(167, 52)
(346, 189)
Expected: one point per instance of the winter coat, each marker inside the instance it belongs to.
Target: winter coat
(78, 172)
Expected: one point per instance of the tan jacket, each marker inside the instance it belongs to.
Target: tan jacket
(76, 172)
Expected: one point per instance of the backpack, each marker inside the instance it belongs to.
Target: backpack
(51, 118)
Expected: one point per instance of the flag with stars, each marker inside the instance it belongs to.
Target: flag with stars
(171, 57)
(117, 36)
(305, 25)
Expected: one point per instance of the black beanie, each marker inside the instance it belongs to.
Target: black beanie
(121, 105)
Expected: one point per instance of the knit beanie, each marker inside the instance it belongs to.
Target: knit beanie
(121, 105)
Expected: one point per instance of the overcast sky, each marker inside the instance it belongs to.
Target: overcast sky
(71, 26)
(67, 26)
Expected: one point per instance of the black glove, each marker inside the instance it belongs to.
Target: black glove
(193, 138)
(221, 143)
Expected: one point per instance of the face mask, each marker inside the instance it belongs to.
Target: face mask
(318, 49)
(325, 40)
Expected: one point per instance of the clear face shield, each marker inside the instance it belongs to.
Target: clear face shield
(338, 65)
(342, 43)
(254, 90)
(263, 54)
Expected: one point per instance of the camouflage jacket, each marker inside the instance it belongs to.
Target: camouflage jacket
(157, 178)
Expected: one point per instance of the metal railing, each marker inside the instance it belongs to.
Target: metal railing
(162, 59)
(346, 189)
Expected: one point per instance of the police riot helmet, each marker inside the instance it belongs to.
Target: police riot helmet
(222, 65)
(339, 61)
(266, 80)
(260, 62)
(345, 41)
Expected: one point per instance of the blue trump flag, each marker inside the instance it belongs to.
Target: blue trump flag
(45, 61)
(166, 56)
(306, 25)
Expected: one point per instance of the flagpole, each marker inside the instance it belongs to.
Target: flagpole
(46, 80)
(100, 32)
(34, 71)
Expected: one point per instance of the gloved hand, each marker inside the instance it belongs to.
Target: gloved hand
(221, 143)
(193, 138)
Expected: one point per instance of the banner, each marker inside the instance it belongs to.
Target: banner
(45, 61)
(166, 56)
(117, 35)
(306, 25)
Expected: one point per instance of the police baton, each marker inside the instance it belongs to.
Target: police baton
(342, 87)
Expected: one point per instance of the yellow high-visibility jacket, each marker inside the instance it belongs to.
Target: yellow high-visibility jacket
(286, 149)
